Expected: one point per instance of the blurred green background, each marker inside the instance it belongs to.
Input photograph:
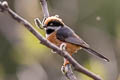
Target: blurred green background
(22, 57)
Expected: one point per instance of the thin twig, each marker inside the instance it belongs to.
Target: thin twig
(4, 7)
(38, 23)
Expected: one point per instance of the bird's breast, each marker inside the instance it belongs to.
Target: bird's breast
(70, 48)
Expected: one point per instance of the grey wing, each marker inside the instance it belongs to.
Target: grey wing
(67, 35)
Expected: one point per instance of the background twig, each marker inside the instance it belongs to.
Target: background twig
(4, 7)
(44, 8)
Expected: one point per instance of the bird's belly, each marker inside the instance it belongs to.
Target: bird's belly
(70, 48)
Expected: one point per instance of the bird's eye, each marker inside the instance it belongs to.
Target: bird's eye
(51, 24)
(55, 23)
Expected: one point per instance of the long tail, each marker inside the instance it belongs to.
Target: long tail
(91, 51)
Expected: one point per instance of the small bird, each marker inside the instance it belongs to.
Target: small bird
(57, 33)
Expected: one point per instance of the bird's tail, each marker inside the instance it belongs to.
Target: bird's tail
(91, 51)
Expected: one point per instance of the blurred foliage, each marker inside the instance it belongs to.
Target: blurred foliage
(6, 58)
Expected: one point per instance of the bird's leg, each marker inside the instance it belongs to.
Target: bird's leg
(63, 47)
(66, 62)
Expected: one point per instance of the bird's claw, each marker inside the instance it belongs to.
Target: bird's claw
(63, 46)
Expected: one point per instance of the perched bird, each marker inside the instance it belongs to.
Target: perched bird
(57, 33)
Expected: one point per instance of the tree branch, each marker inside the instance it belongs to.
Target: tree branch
(4, 7)
(44, 8)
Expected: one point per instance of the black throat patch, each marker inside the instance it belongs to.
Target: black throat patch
(49, 31)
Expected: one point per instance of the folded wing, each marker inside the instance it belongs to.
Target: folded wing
(67, 35)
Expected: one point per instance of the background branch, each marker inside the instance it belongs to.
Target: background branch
(4, 7)
(44, 8)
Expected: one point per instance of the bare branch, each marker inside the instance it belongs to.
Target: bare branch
(44, 8)
(4, 7)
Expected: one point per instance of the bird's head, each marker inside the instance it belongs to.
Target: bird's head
(52, 23)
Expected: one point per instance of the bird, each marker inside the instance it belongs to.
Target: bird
(58, 33)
